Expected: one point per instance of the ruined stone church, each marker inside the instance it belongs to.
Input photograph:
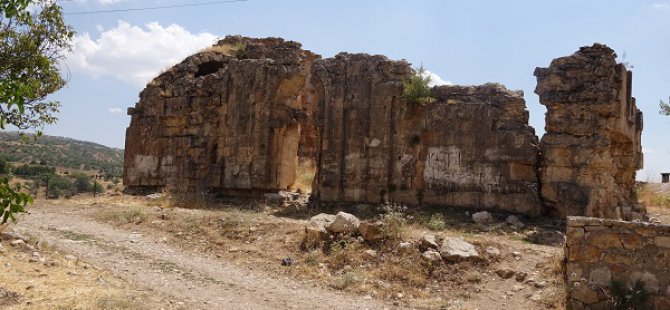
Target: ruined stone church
(250, 116)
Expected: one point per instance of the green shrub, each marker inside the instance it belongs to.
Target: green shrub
(436, 222)
(393, 225)
(241, 50)
(416, 90)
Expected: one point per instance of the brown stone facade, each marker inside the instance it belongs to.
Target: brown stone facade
(242, 117)
(591, 148)
(221, 121)
(472, 147)
(603, 253)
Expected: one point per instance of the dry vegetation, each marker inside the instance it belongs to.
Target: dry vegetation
(43, 278)
(261, 236)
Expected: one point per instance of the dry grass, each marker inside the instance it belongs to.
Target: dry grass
(259, 240)
(653, 195)
(226, 49)
(134, 214)
(60, 284)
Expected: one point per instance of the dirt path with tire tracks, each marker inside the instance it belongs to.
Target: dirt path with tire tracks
(194, 280)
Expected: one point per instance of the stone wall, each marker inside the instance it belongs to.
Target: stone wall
(601, 253)
(472, 147)
(244, 116)
(228, 118)
(592, 147)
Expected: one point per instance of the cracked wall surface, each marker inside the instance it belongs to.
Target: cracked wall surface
(245, 116)
(472, 147)
(227, 118)
(591, 148)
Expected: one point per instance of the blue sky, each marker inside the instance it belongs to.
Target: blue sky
(464, 42)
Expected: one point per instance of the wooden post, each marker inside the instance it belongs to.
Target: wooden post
(95, 184)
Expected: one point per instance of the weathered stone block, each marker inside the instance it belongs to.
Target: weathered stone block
(662, 241)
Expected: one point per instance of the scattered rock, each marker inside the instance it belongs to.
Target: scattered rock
(17, 242)
(505, 273)
(9, 236)
(70, 257)
(520, 276)
(405, 247)
(50, 264)
(546, 237)
(287, 261)
(431, 256)
(2, 248)
(155, 196)
(315, 230)
(540, 284)
(322, 220)
(515, 221)
(234, 249)
(455, 249)
(535, 297)
(493, 251)
(274, 198)
(428, 242)
(370, 254)
(344, 223)
(372, 232)
(72, 273)
(8, 298)
(483, 217)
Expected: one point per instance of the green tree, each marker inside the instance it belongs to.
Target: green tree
(4, 166)
(82, 183)
(416, 90)
(665, 108)
(33, 40)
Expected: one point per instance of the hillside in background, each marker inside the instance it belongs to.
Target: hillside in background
(61, 152)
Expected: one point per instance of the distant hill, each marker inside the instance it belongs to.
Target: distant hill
(61, 152)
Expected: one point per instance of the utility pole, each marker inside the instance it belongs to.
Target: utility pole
(95, 184)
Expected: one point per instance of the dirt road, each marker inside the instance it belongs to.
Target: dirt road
(194, 280)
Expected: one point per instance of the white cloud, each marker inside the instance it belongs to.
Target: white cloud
(134, 54)
(435, 80)
(662, 6)
(115, 110)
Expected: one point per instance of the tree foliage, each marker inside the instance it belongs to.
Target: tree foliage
(665, 108)
(12, 200)
(416, 90)
(32, 44)
(33, 40)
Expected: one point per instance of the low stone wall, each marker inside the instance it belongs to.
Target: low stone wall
(602, 254)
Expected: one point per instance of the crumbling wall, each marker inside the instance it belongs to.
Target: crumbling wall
(249, 116)
(601, 253)
(471, 148)
(228, 118)
(592, 147)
